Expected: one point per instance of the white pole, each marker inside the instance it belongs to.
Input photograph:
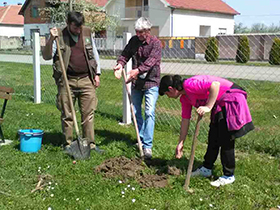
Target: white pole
(126, 105)
(36, 68)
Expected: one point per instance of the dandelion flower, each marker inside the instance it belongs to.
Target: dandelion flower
(133, 200)
(210, 205)
(120, 181)
(133, 188)
(52, 195)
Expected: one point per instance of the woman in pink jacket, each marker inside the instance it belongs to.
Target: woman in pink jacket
(230, 118)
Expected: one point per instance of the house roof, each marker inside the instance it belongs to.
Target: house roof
(9, 15)
(203, 5)
(100, 3)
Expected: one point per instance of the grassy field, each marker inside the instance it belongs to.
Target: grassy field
(76, 186)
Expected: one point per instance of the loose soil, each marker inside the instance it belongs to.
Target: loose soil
(135, 169)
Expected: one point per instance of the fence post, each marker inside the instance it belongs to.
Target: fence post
(126, 105)
(36, 67)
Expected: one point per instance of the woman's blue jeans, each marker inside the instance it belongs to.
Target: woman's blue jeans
(145, 127)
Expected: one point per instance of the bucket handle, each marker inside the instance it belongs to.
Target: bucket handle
(31, 134)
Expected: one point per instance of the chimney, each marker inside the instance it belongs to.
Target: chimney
(5, 3)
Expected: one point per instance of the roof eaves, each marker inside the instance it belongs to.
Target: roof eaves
(21, 12)
(108, 2)
(166, 4)
(183, 8)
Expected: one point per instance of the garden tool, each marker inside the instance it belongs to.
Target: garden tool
(118, 75)
(79, 148)
(191, 160)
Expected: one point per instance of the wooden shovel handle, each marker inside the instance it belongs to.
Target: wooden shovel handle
(66, 84)
(196, 132)
(133, 115)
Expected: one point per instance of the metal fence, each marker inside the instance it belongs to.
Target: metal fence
(180, 55)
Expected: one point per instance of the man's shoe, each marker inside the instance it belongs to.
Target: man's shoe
(96, 148)
(92, 146)
(223, 180)
(147, 153)
(205, 172)
(67, 149)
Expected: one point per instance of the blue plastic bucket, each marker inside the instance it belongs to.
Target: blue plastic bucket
(30, 140)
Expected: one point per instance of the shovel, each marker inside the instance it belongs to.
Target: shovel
(196, 132)
(117, 75)
(79, 149)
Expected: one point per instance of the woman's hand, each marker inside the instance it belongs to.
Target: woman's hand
(202, 110)
(179, 150)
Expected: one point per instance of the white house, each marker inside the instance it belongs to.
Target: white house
(175, 17)
(11, 27)
(11, 24)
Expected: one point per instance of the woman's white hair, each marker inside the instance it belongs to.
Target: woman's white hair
(142, 23)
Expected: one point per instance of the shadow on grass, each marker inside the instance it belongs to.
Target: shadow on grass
(162, 165)
(55, 139)
(110, 136)
(114, 117)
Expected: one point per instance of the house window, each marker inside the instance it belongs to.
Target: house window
(155, 30)
(204, 30)
(146, 5)
(222, 31)
(34, 12)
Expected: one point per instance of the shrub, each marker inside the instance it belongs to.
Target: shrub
(212, 51)
(243, 50)
(274, 54)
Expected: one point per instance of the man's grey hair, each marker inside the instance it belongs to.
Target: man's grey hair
(143, 23)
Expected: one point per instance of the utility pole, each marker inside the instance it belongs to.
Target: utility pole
(70, 5)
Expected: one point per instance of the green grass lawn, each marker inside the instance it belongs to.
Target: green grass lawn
(76, 186)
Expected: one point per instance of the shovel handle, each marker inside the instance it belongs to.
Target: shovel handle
(190, 166)
(133, 114)
(66, 84)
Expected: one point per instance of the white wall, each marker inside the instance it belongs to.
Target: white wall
(11, 31)
(187, 23)
(158, 15)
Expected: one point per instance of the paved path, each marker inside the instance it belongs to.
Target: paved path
(227, 71)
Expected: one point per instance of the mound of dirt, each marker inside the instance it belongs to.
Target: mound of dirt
(133, 168)
(120, 166)
(157, 181)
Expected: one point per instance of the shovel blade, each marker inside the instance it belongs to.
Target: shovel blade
(79, 149)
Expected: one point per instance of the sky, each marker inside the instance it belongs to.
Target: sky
(256, 11)
(252, 11)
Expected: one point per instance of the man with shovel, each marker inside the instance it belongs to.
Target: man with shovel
(80, 59)
(145, 51)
